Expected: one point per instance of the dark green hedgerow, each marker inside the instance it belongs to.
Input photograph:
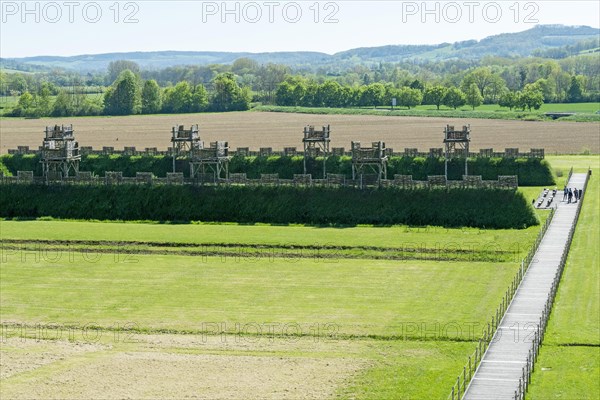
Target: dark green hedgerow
(531, 172)
(279, 205)
(3, 169)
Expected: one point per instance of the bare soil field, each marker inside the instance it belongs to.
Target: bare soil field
(167, 366)
(279, 130)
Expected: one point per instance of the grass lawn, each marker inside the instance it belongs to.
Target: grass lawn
(513, 242)
(566, 373)
(409, 370)
(359, 297)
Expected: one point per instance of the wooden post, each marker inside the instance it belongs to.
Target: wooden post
(470, 372)
(458, 387)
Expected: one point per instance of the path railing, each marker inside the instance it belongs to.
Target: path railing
(541, 328)
(462, 382)
(571, 173)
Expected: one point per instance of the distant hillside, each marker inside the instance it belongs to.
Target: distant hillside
(520, 44)
(586, 46)
(163, 59)
(536, 41)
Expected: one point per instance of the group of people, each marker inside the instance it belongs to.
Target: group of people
(570, 193)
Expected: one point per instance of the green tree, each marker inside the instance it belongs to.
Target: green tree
(547, 87)
(482, 77)
(474, 97)
(435, 95)
(178, 99)
(454, 98)
(575, 92)
(291, 91)
(299, 92)
(530, 97)
(285, 96)
(417, 84)
(373, 95)
(151, 97)
(43, 107)
(199, 98)
(562, 82)
(115, 68)
(390, 93)
(494, 89)
(268, 78)
(25, 105)
(243, 66)
(409, 97)
(508, 99)
(347, 96)
(329, 94)
(18, 84)
(63, 106)
(310, 98)
(228, 95)
(3, 83)
(123, 97)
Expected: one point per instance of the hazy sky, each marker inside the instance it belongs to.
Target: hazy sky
(87, 27)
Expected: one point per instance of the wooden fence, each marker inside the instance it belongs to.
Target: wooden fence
(293, 151)
(332, 180)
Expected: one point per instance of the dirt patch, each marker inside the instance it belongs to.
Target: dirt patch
(170, 366)
(279, 130)
(19, 355)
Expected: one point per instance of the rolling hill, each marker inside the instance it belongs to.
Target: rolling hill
(521, 44)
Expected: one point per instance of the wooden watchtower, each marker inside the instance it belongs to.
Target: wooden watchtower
(214, 158)
(186, 142)
(456, 144)
(316, 143)
(372, 159)
(60, 152)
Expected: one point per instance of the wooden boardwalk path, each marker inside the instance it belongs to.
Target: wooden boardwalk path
(497, 377)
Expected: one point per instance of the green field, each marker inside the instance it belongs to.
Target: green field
(586, 112)
(402, 306)
(374, 312)
(586, 108)
(569, 362)
(361, 298)
(412, 242)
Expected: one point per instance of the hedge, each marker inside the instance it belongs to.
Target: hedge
(489, 208)
(531, 171)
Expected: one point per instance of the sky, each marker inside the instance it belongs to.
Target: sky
(69, 27)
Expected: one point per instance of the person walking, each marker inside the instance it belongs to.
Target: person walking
(580, 193)
(575, 194)
(569, 196)
(565, 193)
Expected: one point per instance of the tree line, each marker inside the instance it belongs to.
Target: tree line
(129, 94)
(477, 87)
(517, 84)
